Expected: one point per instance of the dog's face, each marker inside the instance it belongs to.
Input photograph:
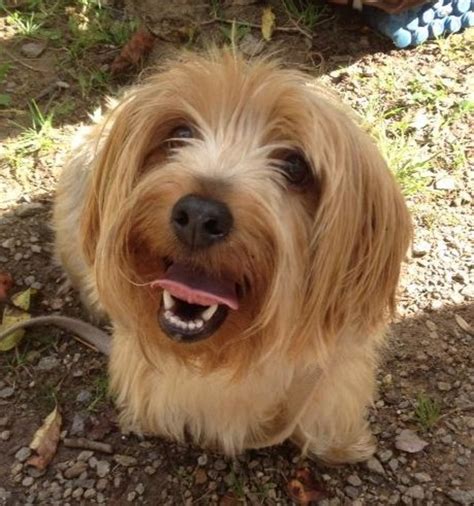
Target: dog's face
(234, 210)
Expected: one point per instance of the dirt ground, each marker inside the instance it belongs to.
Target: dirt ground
(415, 102)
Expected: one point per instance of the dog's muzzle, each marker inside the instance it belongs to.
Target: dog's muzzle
(195, 303)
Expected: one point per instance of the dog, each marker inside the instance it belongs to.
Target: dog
(244, 237)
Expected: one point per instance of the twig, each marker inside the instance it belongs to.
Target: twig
(21, 62)
(88, 444)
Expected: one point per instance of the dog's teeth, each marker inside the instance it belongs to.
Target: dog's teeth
(168, 301)
(198, 323)
(209, 312)
(191, 325)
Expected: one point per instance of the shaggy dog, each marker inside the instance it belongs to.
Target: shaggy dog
(244, 237)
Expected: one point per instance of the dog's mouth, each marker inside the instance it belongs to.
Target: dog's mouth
(194, 305)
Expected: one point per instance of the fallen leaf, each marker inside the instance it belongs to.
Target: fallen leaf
(13, 314)
(6, 282)
(463, 324)
(408, 441)
(268, 23)
(22, 300)
(304, 489)
(134, 51)
(45, 441)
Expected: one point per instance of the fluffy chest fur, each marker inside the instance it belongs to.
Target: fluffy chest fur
(175, 400)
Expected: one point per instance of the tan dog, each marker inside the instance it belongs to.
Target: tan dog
(244, 237)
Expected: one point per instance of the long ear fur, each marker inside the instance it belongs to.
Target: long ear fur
(361, 233)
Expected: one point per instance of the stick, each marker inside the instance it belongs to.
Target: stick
(88, 444)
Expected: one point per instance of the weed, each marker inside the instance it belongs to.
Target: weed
(101, 386)
(235, 32)
(5, 99)
(427, 411)
(304, 12)
(26, 25)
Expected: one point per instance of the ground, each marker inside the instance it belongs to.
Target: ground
(55, 68)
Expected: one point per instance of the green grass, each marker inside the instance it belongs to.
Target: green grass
(427, 411)
(304, 12)
(100, 393)
(235, 32)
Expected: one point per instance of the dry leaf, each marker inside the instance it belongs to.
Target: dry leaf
(463, 324)
(268, 23)
(14, 314)
(304, 489)
(408, 441)
(134, 51)
(6, 282)
(45, 441)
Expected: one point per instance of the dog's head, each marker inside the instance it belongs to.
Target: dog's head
(236, 210)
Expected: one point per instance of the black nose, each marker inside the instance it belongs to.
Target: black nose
(200, 222)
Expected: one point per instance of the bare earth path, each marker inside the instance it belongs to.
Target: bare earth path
(417, 105)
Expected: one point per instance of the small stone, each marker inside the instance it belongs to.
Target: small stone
(464, 497)
(28, 481)
(5, 435)
(23, 454)
(393, 465)
(140, 488)
(48, 364)
(415, 492)
(36, 249)
(351, 492)
(220, 465)
(89, 493)
(101, 484)
(384, 455)
(85, 455)
(4, 421)
(251, 45)
(202, 460)
(75, 470)
(103, 468)
(443, 386)
(77, 493)
(32, 49)
(131, 496)
(446, 183)
(422, 477)
(409, 441)
(420, 249)
(354, 480)
(83, 397)
(468, 291)
(7, 392)
(394, 498)
(78, 425)
(375, 466)
(125, 460)
(4, 495)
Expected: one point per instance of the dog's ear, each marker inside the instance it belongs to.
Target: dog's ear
(361, 232)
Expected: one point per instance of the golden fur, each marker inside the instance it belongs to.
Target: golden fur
(321, 266)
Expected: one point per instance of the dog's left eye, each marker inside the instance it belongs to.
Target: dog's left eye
(178, 135)
(295, 169)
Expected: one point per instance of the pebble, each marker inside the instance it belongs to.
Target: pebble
(446, 183)
(384, 455)
(102, 468)
(443, 386)
(422, 477)
(354, 480)
(415, 492)
(4, 421)
(83, 397)
(23, 454)
(85, 455)
(131, 496)
(375, 466)
(75, 470)
(125, 460)
(202, 460)
(140, 488)
(420, 249)
(33, 49)
(7, 392)
(4, 495)
(464, 497)
(5, 435)
(220, 465)
(78, 424)
(351, 492)
(27, 481)
(468, 291)
(48, 364)
(77, 493)
(89, 493)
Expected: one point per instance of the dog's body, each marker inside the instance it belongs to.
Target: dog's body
(245, 239)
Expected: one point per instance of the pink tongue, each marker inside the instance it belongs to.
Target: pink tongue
(197, 288)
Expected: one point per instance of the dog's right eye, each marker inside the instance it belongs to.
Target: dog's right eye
(179, 135)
